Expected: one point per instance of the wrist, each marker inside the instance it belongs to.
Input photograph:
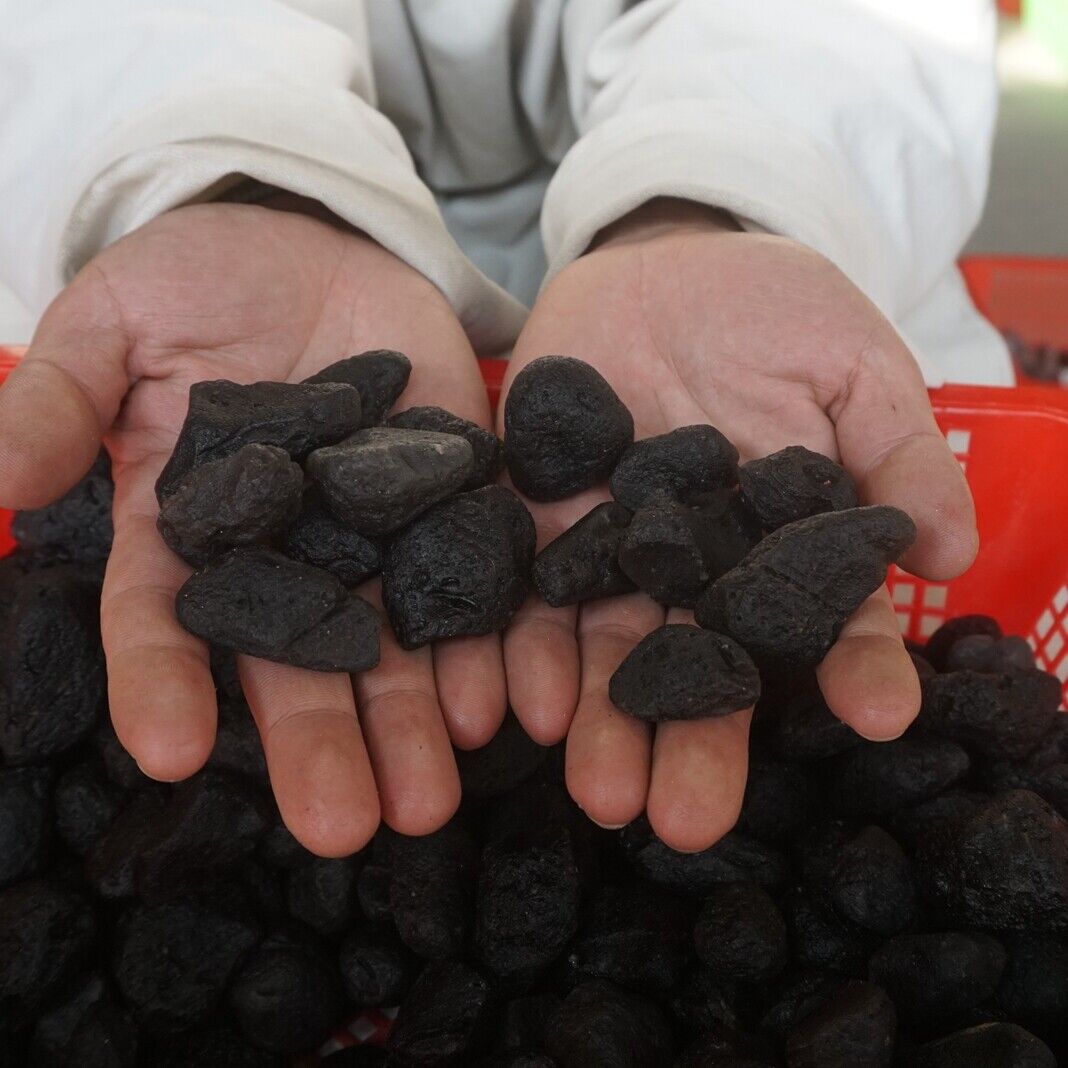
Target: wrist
(662, 216)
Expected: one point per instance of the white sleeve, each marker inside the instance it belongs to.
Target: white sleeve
(117, 110)
(861, 128)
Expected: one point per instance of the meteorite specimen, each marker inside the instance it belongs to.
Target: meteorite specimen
(937, 977)
(224, 416)
(1034, 986)
(322, 893)
(876, 778)
(485, 446)
(701, 1003)
(822, 939)
(635, 936)
(438, 1021)
(89, 1028)
(1005, 868)
(46, 933)
(781, 799)
(111, 866)
(953, 630)
(581, 564)
(564, 428)
(789, 598)
(510, 757)
(86, 803)
(76, 527)
(1005, 1045)
(741, 934)
(600, 1025)
(735, 858)
(525, 1020)
(998, 715)
(683, 672)
(257, 601)
(667, 551)
(320, 539)
(246, 498)
(687, 464)
(856, 1025)
(793, 484)
(173, 960)
(375, 967)
(380, 479)
(287, 997)
(871, 883)
(461, 568)
(803, 728)
(379, 375)
(431, 890)
(982, 652)
(25, 821)
(52, 679)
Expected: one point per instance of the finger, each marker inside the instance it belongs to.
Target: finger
(160, 688)
(891, 444)
(418, 784)
(868, 678)
(320, 772)
(698, 775)
(469, 675)
(608, 752)
(61, 398)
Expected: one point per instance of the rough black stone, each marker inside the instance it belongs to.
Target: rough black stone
(380, 479)
(997, 1045)
(1034, 986)
(438, 1021)
(823, 940)
(52, 677)
(485, 446)
(564, 428)
(246, 498)
(111, 865)
(174, 960)
(602, 1026)
(510, 757)
(25, 824)
(871, 883)
(803, 728)
(983, 652)
(854, 1026)
(322, 893)
(379, 375)
(320, 539)
(581, 564)
(741, 935)
(462, 568)
(942, 641)
(1004, 868)
(789, 598)
(524, 1020)
(679, 671)
(997, 715)
(287, 998)
(76, 527)
(937, 977)
(257, 601)
(793, 484)
(701, 1003)
(46, 933)
(376, 968)
(88, 1028)
(224, 416)
(877, 778)
(85, 804)
(688, 464)
(781, 799)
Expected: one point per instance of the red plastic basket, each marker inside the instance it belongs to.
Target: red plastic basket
(1012, 444)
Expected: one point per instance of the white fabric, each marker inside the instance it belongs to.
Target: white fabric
(487, 141)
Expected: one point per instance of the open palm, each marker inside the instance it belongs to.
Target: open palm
(247, 293)
(768, 342)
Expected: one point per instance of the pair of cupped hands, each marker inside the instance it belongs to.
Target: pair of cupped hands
(690, 320)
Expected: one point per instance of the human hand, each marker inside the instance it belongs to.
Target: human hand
(693, 322)
(247, 293)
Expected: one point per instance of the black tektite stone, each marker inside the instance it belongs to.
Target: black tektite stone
(485, 446)
(379, 375)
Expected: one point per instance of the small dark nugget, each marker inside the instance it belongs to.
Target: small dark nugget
(224, 416)
(794, 484)
(380, 479)
(246, 498)
(564, 428)
(992, 1045)
(790, 597)
(461, 568)
(258, 602)
(379, 375)
(683, 672)
(854, 1026)
(320, 539)
(581, 564)
(687, 464)
(485, 446)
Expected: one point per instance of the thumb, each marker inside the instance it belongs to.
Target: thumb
(62, 397)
